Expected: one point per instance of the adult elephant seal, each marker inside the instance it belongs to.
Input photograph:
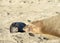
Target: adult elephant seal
(49, 26)
(17, 27)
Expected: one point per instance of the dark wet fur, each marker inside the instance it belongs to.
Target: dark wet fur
(19, 25)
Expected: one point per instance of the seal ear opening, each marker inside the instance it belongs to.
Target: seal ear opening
(17, 27)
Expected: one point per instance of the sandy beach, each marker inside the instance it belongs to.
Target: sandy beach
(22, 11)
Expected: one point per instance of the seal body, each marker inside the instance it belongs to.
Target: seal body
(17, 27)
(49, 26)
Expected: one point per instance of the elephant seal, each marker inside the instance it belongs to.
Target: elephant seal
(17, 27)
(49, 26)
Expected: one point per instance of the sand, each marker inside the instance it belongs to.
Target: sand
(22, 11)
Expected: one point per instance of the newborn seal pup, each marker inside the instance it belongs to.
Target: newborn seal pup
(17, 27)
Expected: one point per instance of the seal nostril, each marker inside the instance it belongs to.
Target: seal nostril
(45, 38)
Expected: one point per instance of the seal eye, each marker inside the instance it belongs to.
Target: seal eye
(17, 27)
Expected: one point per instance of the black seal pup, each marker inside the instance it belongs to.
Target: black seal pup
(17, 27)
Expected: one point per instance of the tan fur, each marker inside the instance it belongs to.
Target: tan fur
(37, 30)
(32, 28)
(49, 26)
